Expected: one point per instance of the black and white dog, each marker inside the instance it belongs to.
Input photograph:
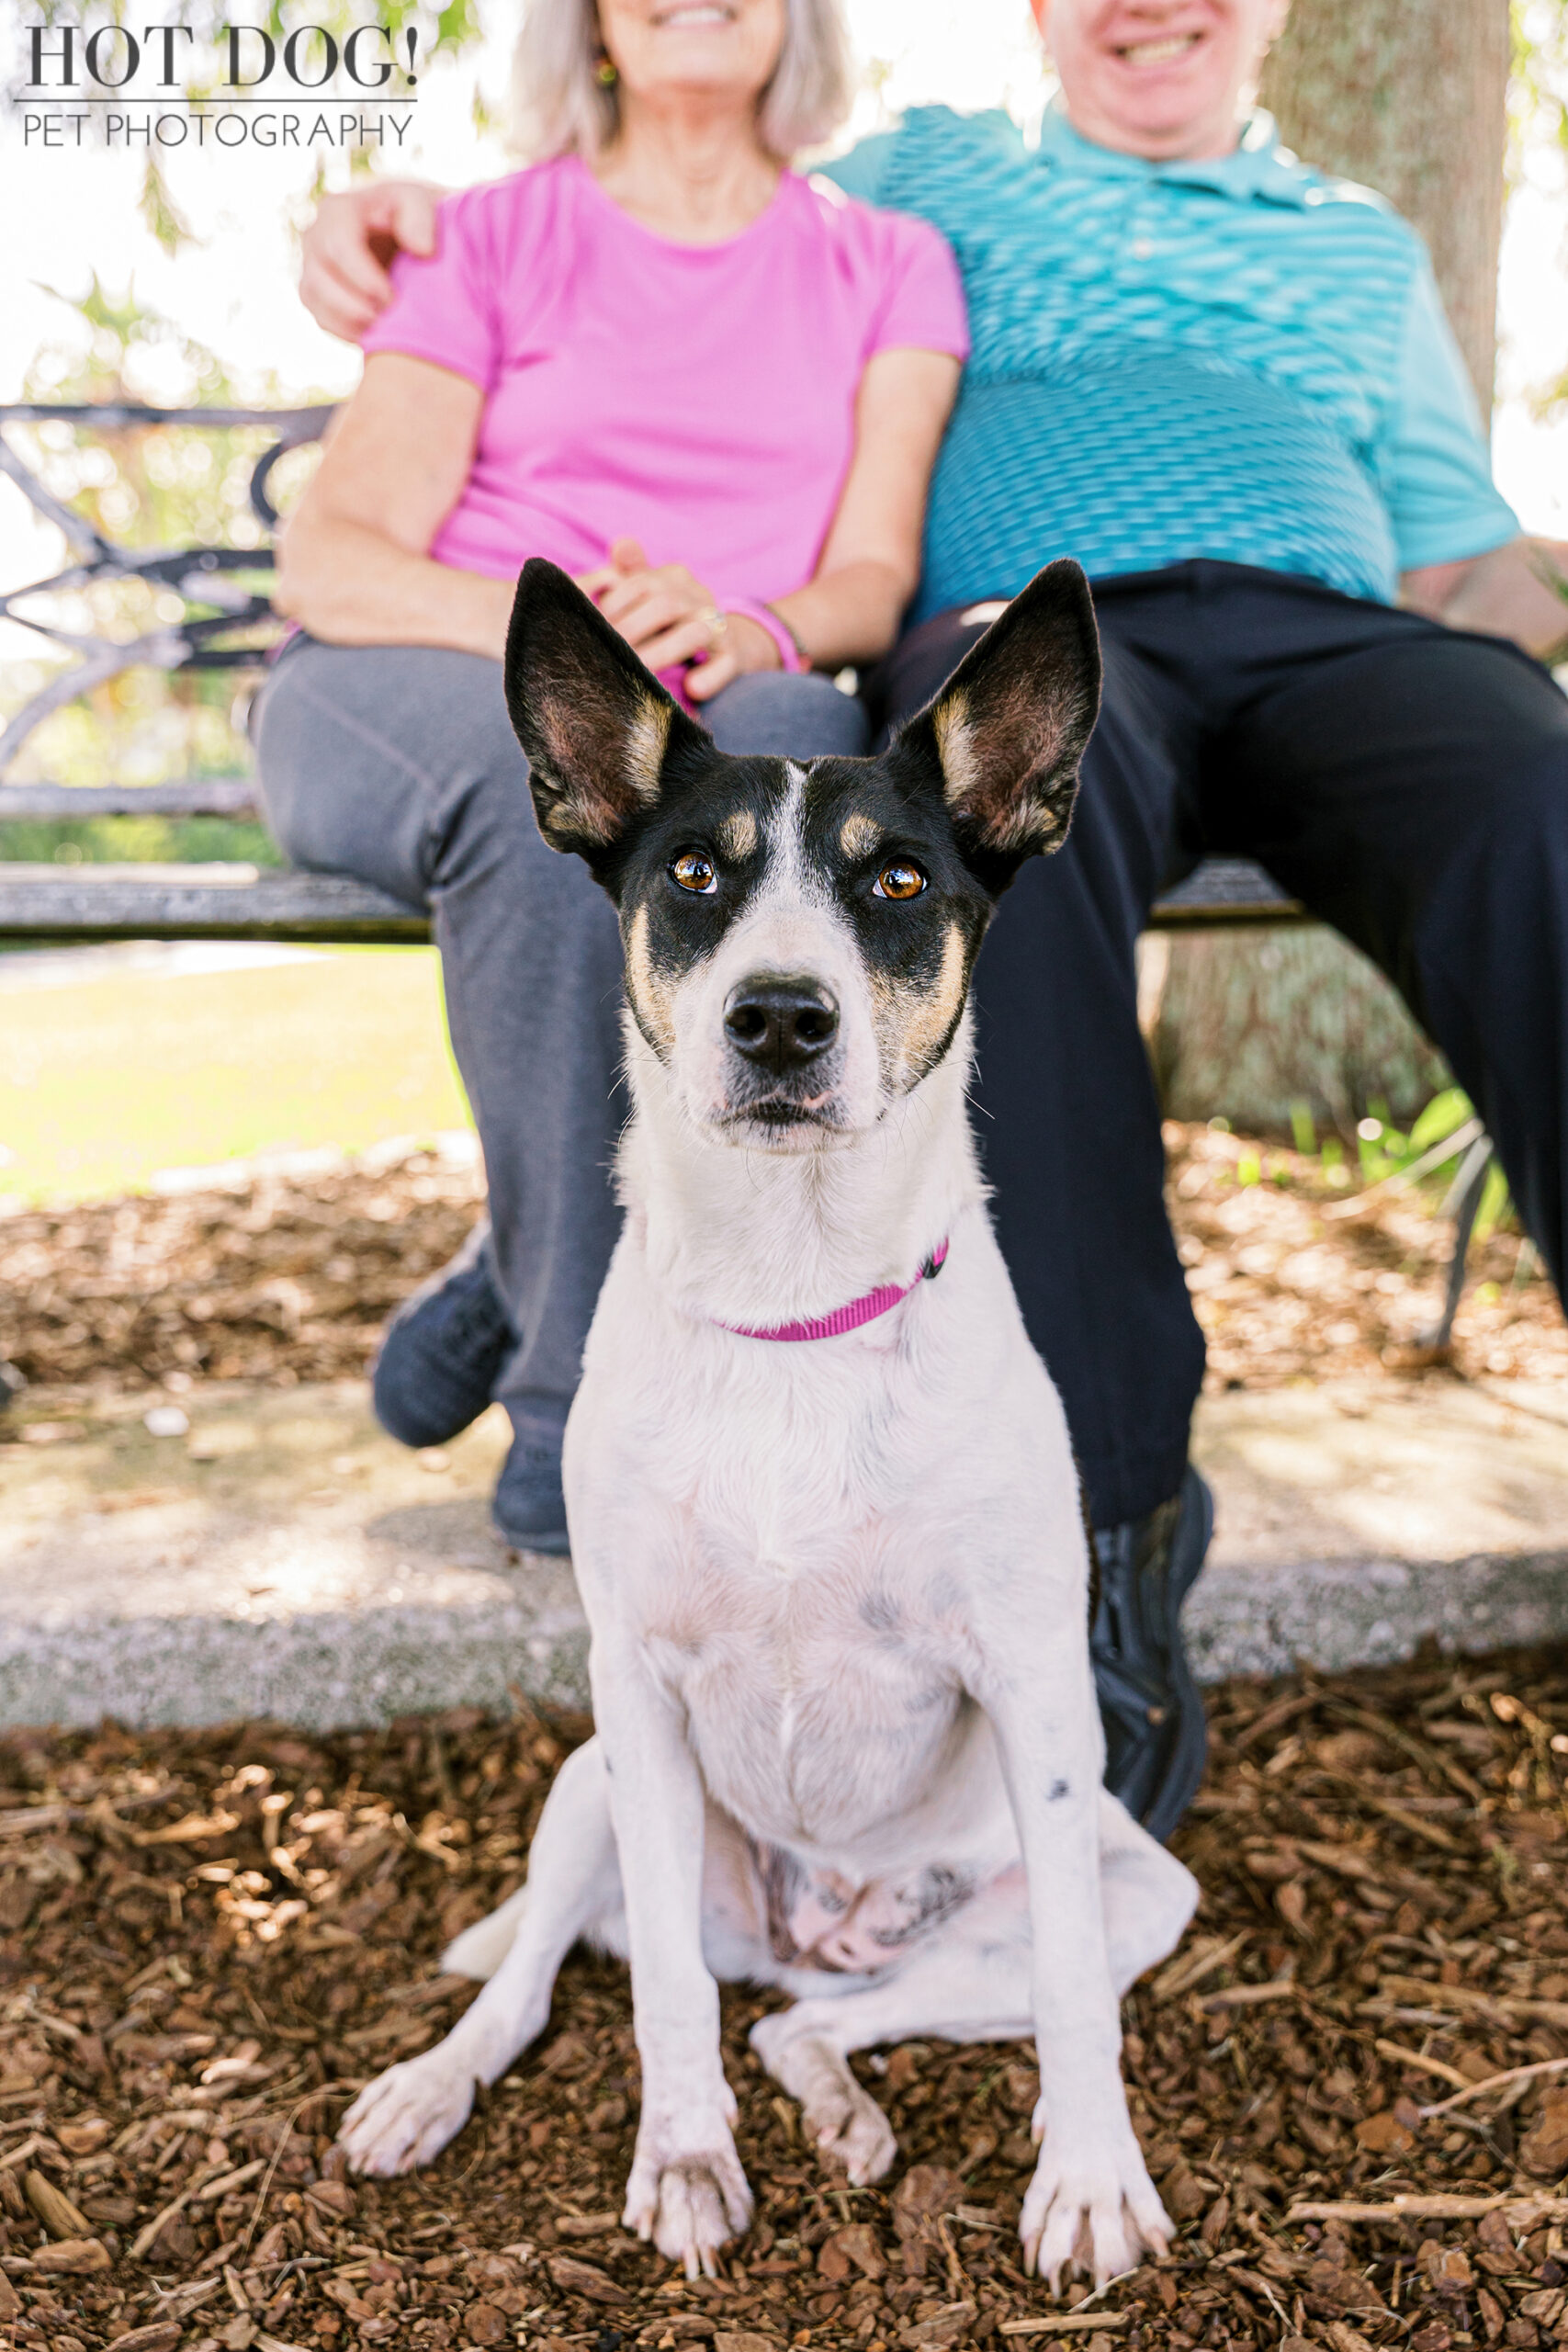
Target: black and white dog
(824, 1513)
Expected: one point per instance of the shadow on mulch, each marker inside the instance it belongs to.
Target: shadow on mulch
(211, 1938)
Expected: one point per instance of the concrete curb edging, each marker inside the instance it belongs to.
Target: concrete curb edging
(1335, 1615)
(283, 1559)
(342, 1668)
(370, 1665)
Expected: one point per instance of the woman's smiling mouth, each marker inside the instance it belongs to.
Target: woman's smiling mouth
(698, 13)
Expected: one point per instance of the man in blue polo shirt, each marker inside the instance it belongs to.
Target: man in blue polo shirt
(1224, 384)
(1227, 385)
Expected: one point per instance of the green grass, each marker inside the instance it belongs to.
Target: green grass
(108, 841)
(104, 1082)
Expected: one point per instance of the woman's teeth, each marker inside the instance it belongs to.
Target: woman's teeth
(1159, 52)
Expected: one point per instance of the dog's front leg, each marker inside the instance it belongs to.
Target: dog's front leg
(1091, 2199)
(687, 2191)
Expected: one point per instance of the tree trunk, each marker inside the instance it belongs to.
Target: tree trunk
(1250, 1025)
(1409, 97)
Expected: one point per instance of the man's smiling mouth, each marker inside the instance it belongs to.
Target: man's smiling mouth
(1166, 51)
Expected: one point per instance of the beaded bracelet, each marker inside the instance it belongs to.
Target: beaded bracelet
(792, 653)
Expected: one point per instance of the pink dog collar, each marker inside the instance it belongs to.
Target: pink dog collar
(850, 1317)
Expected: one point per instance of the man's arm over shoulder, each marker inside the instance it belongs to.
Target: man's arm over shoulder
(347, 251)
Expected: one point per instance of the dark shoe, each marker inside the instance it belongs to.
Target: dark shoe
(528, 1507)
(1156, 1738)
(442, 1353)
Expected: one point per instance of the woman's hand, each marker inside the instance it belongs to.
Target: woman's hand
(349, 247)
(667, 617)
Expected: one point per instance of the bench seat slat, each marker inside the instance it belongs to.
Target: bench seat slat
(40, 903)
(51, 902)
(218, 796)
(1225, 890)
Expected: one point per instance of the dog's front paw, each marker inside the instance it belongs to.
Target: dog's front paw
(687, 2191)
(1094, 2208)
(407, 2115)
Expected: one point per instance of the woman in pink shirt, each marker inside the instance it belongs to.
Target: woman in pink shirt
(713, 391)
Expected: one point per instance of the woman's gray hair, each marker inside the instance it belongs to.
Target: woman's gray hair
(559, 106)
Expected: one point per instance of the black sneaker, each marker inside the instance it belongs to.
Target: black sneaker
(442, 1353)
(529, 1507)
(1157, 1737)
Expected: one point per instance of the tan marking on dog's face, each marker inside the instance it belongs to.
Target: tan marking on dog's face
(651, 1002)
(913, 1024)
(859, 836)
(646, 740)
(737, 836)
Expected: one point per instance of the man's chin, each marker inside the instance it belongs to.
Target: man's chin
(1157, 102)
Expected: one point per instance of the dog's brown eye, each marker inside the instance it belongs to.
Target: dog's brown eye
(899, 879)
(694, 870)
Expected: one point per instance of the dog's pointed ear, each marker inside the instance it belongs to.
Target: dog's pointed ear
(596, 726)
(1010, 727)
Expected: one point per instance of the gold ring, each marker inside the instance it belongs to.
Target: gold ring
(714, 621)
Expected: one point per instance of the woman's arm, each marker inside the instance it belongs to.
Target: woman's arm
(850, 610)
(353, 565)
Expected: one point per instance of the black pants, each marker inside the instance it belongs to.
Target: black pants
(1408, 783)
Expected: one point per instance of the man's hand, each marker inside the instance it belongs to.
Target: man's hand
(667, 617)
(348, 249)
(1519, 590)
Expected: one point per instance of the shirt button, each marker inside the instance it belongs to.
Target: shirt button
(1143, 247)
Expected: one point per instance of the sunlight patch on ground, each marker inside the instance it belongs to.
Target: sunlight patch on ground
(107, 1080)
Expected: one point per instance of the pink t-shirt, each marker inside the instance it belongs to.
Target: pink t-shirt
(698, 397)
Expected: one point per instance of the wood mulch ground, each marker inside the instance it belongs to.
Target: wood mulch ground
(288, 1277)
(210, 1938)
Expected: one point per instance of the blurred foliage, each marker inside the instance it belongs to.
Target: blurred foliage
(1538, 95)
(158, 840)
(162, 486)
(162, 215)
(1537, 114)
(1419, 1157)
(166, 486)
(1428, 1156)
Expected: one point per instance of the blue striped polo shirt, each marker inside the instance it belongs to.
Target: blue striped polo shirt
(1238, 358)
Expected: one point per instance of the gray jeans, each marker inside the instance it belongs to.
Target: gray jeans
(397, 764)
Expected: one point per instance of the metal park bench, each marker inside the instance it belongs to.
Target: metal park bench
(54, 905)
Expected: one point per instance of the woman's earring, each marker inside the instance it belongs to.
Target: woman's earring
(604, 72)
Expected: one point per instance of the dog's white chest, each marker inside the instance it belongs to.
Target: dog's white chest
(817, 1700)
(809, 1608)
(788, 1537)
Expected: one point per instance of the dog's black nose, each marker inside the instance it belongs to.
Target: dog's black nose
(781, 1023)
